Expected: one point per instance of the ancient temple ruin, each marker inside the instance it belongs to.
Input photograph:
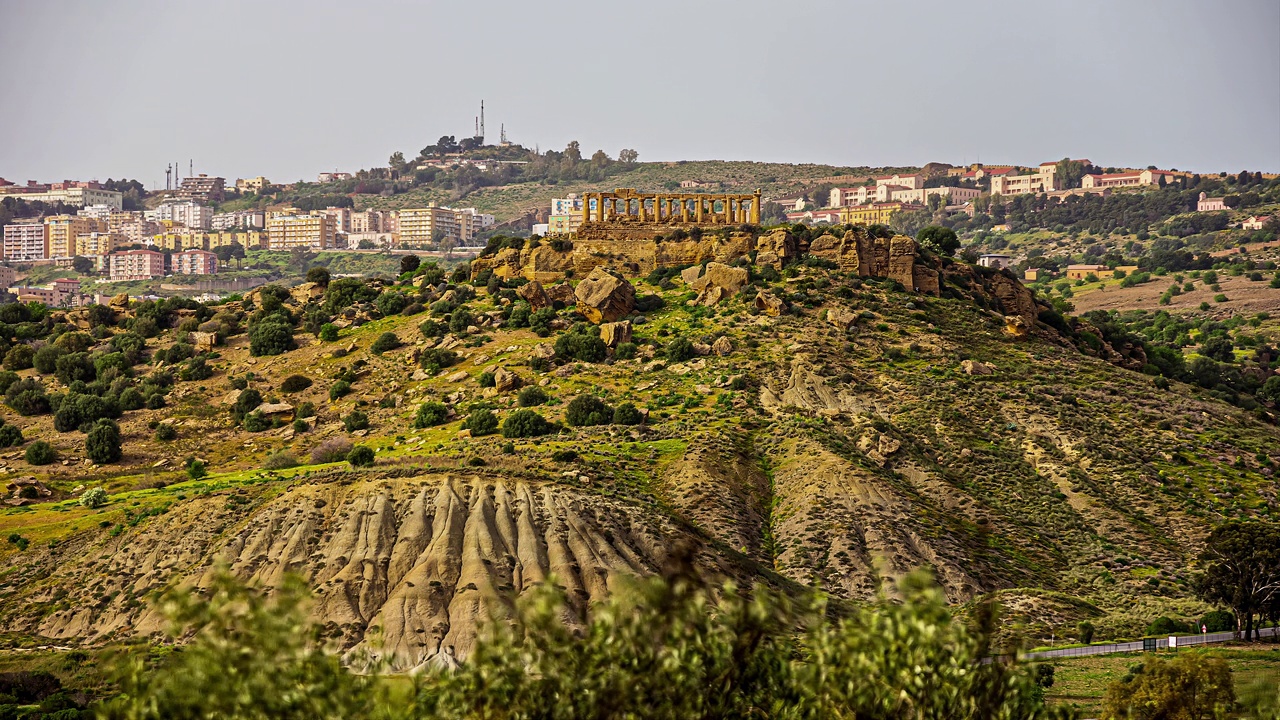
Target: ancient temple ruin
(626, 205)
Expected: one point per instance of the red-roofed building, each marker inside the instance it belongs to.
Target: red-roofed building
(136, 265)
(1138, 178)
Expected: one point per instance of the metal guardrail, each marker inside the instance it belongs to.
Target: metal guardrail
(1141, 645)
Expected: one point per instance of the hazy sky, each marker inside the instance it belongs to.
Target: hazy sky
(289, 89)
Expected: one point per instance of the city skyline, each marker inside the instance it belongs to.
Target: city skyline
(288, 90)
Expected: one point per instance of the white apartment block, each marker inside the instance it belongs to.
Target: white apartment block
(194, 262)
(248, 219)
(951, 195)
(74, 196)
(910, 182)
(189, 213)
(25, 241)
(1039, 182)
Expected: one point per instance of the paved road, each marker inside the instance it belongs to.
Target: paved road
(1161, 644)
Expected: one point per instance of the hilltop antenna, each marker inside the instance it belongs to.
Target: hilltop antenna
(481, 133)
(191, 168)
(503, 130)
(168, 173)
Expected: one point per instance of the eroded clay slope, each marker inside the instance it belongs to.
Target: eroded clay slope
(416, 560)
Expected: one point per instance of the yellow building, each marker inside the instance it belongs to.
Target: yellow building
(252, 184)
(64, 229)
(873, 214)
(251, 240)
(426, 226)
(563, 224)
(290, 231)
(96, 243)
(179, 240)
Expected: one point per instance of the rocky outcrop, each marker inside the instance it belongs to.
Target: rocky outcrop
(505, 381)
(615, 333)
(769, 304)
(776, 248)
(717, 282)
(605, 296)
(532, 293)
(895, 258)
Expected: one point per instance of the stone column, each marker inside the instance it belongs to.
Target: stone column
(755, 209)
(697, 209)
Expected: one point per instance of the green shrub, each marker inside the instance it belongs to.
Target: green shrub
(627, 414)
(166, 432)
(386, 341)
(587, 410)
(300, 425)
(481, 422)
(531, 396)
(196, 469)
(94, 497)
(525, 423)
(328, 332)
(360, 456)
(270, 336)
(339, 389)
(486, 380)
(1218, 621)
(625, 351)
(333, 449)
(460, 320)
(103, 442)
(280, 460)
(295, 383)
(26, 396)
(540, 321)
(196, 369)
(431, 329)
(430, 414)
(564, 455)
(434, 360)
(19, 357)
(679, 350)
(357, 420)
(45, 360)
(247, 400)
(305, 410)
(40, 453)
(10, 435)
(255, 422)
(582, 343)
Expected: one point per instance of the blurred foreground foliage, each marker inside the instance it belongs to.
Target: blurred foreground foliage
(667, 647)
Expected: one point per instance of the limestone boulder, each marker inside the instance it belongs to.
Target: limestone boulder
(562, 293)
(615, 333)
(842, 318)
(284, 411)
(204, 341)
(119, 303)
(973, 367)
(605, 296)
(718, 275)
(306, 292)
(722, 346)
(691, 274)
(770, 304)
(1016, 326)
(505, 381)
(543, 351)
(533, 294)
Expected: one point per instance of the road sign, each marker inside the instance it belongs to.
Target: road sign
(1148, 644)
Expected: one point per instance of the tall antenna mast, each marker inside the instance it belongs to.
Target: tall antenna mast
(481, 133)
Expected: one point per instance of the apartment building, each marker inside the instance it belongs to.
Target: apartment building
(564, 224)
(98, 212)
(568, 205)
(861, 195)
(910, 182)
(134, 231)
(63, 292)
(341, 218)
(950, 195)
(873, 214)
(1039, 182)
(194, 262)
(1138, 178)
(202, 188)
(373, 221)
(26, 241)
(252, 184)
(290, 231)
(426, 226)
(64, 229)
(135, 265)
(189, 213)
(7, 276)
(247, 219)
(335, 176)
(95, 244)
(69, 192)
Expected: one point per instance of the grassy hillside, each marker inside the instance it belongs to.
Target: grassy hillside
(1076, 489)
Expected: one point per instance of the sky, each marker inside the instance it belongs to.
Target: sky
(291, 89)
